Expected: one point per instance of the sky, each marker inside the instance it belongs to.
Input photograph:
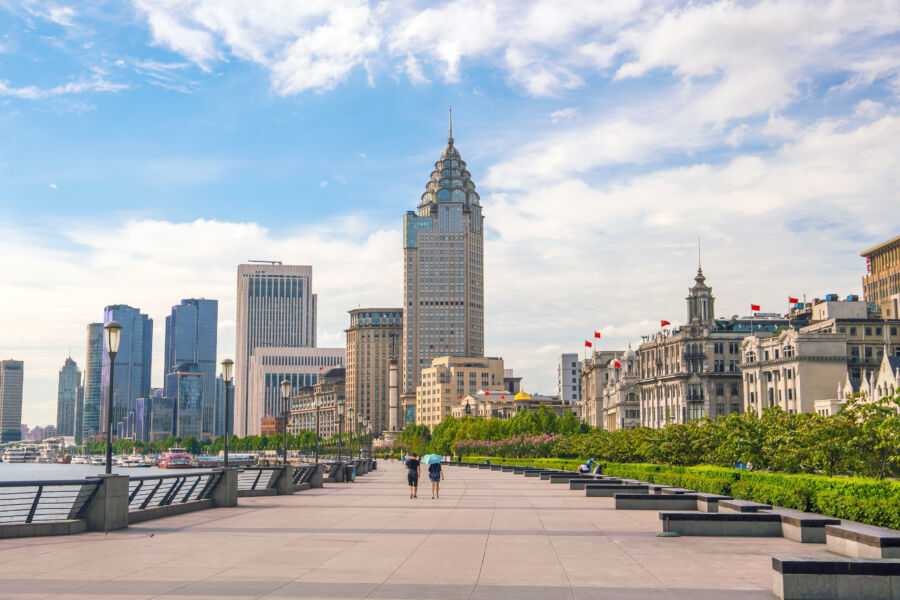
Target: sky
(147, 147)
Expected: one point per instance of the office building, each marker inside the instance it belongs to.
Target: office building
(222, 406)
(694, 371)
(11, 381)
(155, 418)
(270, 366)
(881, 284)
(67, 397)
(275, 309)
(93, 376)
(448, 379)
(327, 394)
(373, 340)
(568, 375)
(79, 414)
(443, 271)
(185, 387)
(133, 362)
(191, 338)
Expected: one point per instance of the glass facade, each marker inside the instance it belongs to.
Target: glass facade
(67, 397)
(191, 338)
(93, 374)
(187, 385)
(133, 361)
(11, 380)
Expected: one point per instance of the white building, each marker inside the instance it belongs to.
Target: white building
(568, 374)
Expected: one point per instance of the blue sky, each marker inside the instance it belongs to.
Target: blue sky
(150, 146)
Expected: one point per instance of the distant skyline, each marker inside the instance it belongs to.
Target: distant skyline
(154, 145)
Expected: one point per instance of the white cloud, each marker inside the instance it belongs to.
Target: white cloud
(53, 186)
(323, 184)
(563, 114)
(414, 70)
(95, 84)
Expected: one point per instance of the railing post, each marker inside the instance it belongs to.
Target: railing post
(284, 484)
(225, 493)
(108, 508)
(34, 505)
(317, 479)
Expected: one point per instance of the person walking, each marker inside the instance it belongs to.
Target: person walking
(435, 474)
(412, 475)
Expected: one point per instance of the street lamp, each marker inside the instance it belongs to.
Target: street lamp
(285, 397)
(227, 374)
(340, 412)
(113, 337)
(359, 435)
(316, 404)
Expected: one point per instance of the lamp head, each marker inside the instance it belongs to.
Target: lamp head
(113, 336)
(227, 369)
(285, 389)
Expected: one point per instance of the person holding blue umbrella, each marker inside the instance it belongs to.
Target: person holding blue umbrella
(435, 474)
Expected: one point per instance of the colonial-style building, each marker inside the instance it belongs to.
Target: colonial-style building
(694, 371)
(500, 405)
(621, 408)
(594, 377)
(325, 398)
(792, 370)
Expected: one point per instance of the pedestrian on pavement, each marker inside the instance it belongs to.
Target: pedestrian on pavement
(435, 474)
(412, 475)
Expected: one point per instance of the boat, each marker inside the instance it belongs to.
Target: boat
(131, 461)
(175, 458)
(81, 460)
(98, 460)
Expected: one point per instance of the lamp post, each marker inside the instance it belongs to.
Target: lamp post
(369, 434)
(340, 412)
(316, 404)
(113, 337)
(227, 374)
(285, 397)
(359, 436)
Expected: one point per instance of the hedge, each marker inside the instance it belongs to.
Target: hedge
(872, 501)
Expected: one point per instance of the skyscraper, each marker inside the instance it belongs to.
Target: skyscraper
(67, 397)
(191, 338)
(133, 360)
(275, 308)
(184, 385)
(373, 339)
(11, 379)
(443, 276)
(93, 375)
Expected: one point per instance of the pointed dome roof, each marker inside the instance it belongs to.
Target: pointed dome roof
(522, 396)
(450, 181)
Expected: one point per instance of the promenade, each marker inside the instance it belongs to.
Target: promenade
(490, 535)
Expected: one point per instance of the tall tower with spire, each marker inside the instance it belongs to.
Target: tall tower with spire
(700, 301)
(443, 270)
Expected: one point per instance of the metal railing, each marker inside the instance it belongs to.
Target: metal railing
(152, 491)
(36, 501)
(257, 478)
(303, 474)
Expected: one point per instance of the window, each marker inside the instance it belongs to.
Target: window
(853, 331)
(868, 331)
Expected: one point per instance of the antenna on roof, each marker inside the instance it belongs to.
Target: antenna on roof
(451, 124)
(265, 262)
(699, 262)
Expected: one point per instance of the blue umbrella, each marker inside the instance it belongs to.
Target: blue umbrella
(432, 459)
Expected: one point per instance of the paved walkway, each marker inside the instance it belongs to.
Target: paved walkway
(490, 535)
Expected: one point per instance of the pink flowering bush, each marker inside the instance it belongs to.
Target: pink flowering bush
(518, 446)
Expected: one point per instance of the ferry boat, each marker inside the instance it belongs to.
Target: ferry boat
(131, 460)
(175, 458)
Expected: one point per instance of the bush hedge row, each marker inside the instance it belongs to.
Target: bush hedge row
(872, 501)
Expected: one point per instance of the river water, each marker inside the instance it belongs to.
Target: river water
(37, 472)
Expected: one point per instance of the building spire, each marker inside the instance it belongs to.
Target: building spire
(699, 261)
(450, 139)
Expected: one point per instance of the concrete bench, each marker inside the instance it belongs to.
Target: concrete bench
(488, 467)
(677, 490)
(566, 478)
(534, 473)
(608, 490)
(710, 502)
(742, 506)
(507, 468)
(579, 483)
(835, 578)
(807, 528)
(496, 467)
(628, 501)
(545, 475)
(862, 541)
(722, 524)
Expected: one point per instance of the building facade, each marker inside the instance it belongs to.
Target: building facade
(270, 366)
(185, 387)
(93, 381)
(221, 406)
(11, 382)
(191, 335)
(443, 271)
(67, 397)
(881, 284)
(791, 370)
(133, 362)
(275, 309)
(449, 379)
(501, 405)
(327, 394)
(620, 406)
(373, 340)
(568, 376)
(694, 371)
(155, 418)
(594, 379)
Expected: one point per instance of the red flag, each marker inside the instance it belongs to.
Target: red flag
(617, 364)
(793, 300)
(486, 392)
(460, 395)
(587, 344)
(502, 397)
(320, 368)
(755, 307)
(663, 323)
(597, 334)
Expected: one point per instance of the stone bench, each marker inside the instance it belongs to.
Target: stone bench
(710, 502)
(534, 473)
(677, 490)
(628, 501)
(608, 490)
(545, 475)
(742, 506)
(579, 483)
(566, 478)
(807, 528)
(835, 578)
(862, 541)
(507, 468)
(722, 524)
(496, 467)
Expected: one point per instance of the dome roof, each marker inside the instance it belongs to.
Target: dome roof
(522, 396)
(629, 354)
(450, 181)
